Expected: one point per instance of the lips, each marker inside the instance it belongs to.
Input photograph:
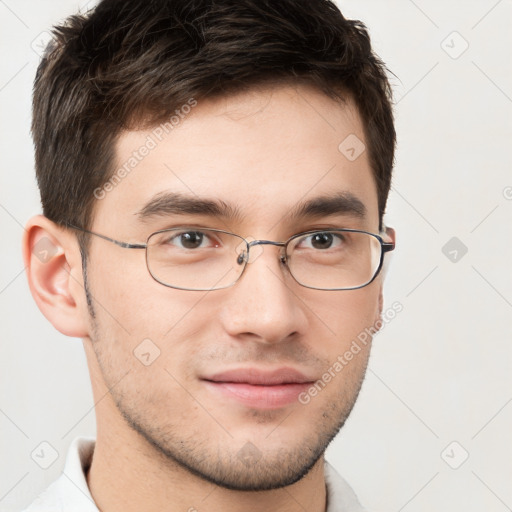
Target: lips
(258, 388)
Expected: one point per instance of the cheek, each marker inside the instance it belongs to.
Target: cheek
(347, 314)
(350, 318)
(131, 302)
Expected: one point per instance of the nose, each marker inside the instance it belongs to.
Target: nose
(264, 304)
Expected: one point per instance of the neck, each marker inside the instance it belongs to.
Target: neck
(128, 474)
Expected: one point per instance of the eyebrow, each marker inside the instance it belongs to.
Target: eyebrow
(342, 203)
(173, 203)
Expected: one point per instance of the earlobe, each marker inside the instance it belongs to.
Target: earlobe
(53, 265)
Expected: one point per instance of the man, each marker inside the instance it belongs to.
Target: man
(213, 177)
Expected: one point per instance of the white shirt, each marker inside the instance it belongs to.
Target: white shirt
(70, 493)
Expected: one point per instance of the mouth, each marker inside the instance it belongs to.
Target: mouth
(259, 389)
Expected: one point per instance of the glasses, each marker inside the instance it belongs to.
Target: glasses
(204, 259)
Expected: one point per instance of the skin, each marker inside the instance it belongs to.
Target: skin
(163, 436)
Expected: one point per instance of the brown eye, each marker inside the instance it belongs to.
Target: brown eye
(322, 240)
(191, 240)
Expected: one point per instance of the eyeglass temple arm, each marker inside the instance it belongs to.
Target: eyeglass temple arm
(386, 246)
(117, 242)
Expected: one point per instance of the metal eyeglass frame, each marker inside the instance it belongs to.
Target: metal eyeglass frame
(243, 258)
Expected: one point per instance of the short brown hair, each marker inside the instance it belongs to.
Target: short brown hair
(131, 63)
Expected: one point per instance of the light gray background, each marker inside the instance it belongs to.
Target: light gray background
(439, 372)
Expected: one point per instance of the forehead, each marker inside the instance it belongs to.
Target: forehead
(260, 152)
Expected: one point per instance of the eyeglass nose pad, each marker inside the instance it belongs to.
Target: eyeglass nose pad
(242, 253)
(242, 257)
(248, 252)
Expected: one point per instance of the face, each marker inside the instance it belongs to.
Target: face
(218, 381)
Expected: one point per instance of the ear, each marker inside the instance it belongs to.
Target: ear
(54, 270)
(389, 235)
